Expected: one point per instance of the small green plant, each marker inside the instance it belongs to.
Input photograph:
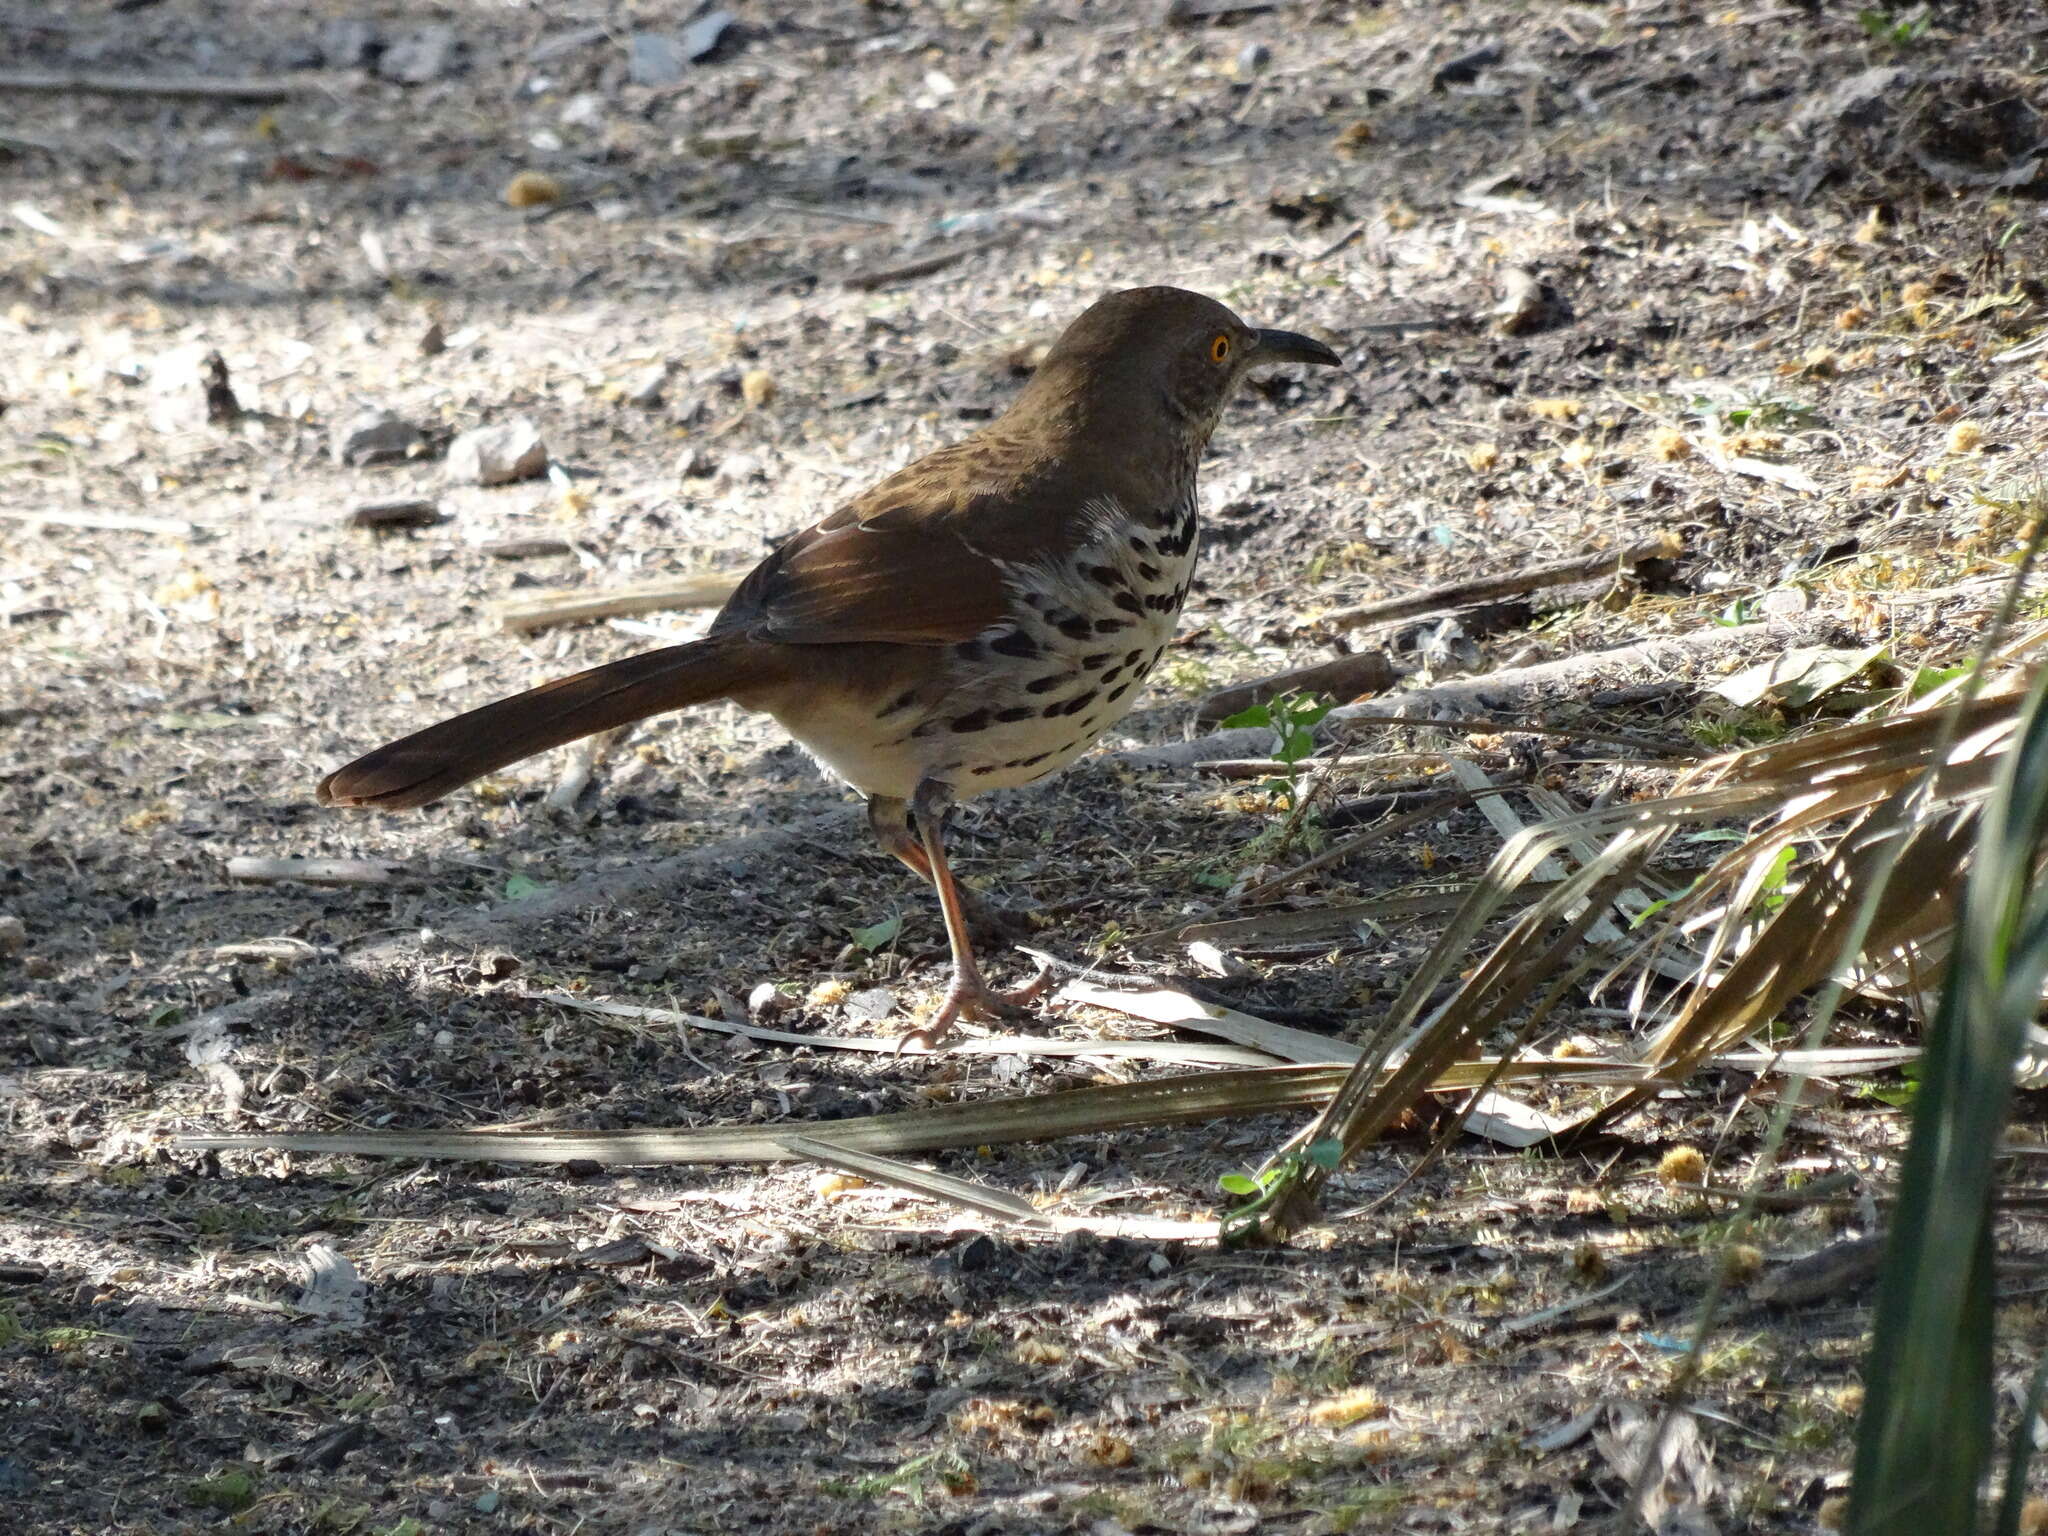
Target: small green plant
(1758, 415)
(914, 1479)
(1734, 728)
(1892, 29)
(230, 1492)
(1292, 718)
(1259, 1192)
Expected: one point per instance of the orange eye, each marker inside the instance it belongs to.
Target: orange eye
(1219, 349)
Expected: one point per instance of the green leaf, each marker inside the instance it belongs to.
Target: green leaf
(1237, 1184)
(879, 934)
(1245, 719)
(520, 887)
(1926, 679)
(1326, 1153)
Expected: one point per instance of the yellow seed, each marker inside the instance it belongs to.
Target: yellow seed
(1671, 445)
(1682, 1165)
(1555, 410)
(532, 189)
(1482, 456)
(757, 387)
(1742, 1263)
(1965, 437)
(1346, 1408)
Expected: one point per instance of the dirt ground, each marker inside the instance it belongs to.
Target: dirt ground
(1764, 276)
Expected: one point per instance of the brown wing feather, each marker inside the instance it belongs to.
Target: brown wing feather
(918, 560)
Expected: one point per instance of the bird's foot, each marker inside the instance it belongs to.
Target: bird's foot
(971, 998)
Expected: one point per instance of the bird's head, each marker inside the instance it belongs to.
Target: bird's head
(1151, 358)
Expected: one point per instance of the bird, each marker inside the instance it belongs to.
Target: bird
(973, 622)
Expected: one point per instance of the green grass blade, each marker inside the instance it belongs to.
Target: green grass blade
(1925, 1439)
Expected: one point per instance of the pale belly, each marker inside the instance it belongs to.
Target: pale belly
(1025, 698)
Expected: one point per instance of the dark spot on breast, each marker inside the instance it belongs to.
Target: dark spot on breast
(1015, 643)
(1163, 602)
(1027, 762)
(901, 702)
(1045, 684)
(1108, 575)
(1096, 659)
(1147, 571)
(1141, 544)
(986, 768)
(1075, 628)
(1174, 545)
(1071, 745)
(1131, 658)
(1118, 691)
(977, 721)
(1073, 706)
(1111, 626)
(1111, 676)
(1128, 601)
(1015, 713)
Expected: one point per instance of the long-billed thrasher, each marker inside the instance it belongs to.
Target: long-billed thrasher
(974, 622)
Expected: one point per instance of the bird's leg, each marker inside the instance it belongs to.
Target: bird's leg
(986, 921)
(968, 995)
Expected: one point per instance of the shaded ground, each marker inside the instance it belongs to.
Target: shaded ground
(1739, 236)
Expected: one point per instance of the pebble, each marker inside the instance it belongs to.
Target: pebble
(1253, 57)
(741, 466)
(420, 57)
(378, 437)
(498, 455)
(702, 37)
(645, 390)
(653, 58)
(13, 935)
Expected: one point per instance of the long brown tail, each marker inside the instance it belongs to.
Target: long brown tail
(431, 763)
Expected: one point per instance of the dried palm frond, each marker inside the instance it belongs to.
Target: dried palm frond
(1888, 804)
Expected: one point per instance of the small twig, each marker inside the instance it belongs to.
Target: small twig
(175, 527)
(1519, 728)
(1484, 589)
(583, 758)
(177, 87)
(923, 266)
(568, 606)
(317, 871)
(1343, 678)
(404, 512)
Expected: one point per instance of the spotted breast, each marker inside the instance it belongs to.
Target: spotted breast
(1082, 629)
